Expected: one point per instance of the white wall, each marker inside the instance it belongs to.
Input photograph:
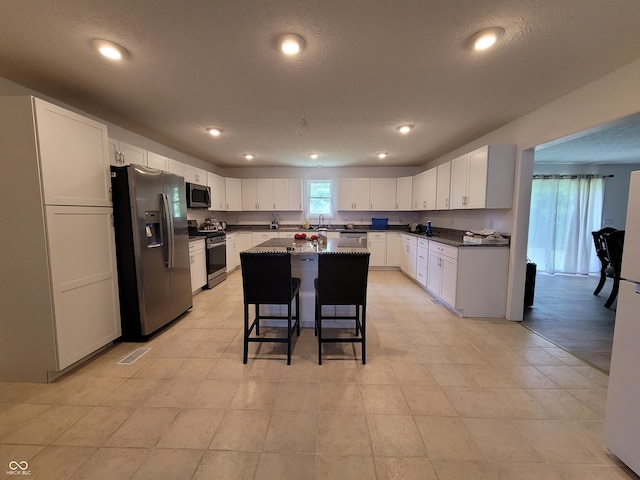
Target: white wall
(609, 98)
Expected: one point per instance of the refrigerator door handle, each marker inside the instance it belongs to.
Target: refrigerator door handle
(170, 231)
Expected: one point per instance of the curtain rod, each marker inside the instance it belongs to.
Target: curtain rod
(572, 176)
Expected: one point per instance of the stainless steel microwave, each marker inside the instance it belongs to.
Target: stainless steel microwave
(198, 196)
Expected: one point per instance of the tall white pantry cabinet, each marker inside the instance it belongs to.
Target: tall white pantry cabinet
(58, 291)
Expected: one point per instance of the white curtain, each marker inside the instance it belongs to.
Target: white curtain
(564, 212)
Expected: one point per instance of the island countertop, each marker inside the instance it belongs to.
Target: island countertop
(301, 247)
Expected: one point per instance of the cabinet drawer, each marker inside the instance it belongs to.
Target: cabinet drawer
(442, 249)
(196, 245)
(423, 257)
(409, 240)
(423, 243)
(377, 235)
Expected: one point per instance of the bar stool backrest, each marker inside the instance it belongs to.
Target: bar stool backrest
(266, 278)
(342, 278)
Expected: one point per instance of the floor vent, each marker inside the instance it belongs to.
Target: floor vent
(133, 356)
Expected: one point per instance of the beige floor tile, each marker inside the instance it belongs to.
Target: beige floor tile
(13, 416)
(562, 405)
(555, 442)
(213, 394)
(448, 438)
(472, 402)
(292, 432)
(455, 470)
(297, 396)
(527, 376)
(428, 400)
(211, 350)
(227, 465)
(517, 403)
(143, 428)
(18, 453)
(566, 377)
(241, 430)
(111, 463)
(45, 427)
(594, 399)
(340, 397)
(133, 393)
(285, 466)
(343, 434)
(409, 373)
(525, 471)
(168, 464)
(255, 395)
(590, 434)
(380, 399)
(588, 472)
(500, 441)
(192, 428)
(95, 427)
(158, 367)
(449, 375)
(177, 349)
(344, 468)
(395, 435)
(57, 462)
(405, 468)
(173, 392)
(195, 369)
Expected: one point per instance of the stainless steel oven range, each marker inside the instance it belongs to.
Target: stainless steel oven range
(216, 253)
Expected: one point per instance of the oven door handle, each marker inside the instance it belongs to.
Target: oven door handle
(215, 245)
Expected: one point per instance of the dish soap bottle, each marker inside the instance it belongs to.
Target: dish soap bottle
(429, 231)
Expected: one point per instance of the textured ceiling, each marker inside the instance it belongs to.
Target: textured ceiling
(368, 67)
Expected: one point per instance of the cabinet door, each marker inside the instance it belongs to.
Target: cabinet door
(384, 194)
(233, 189)
(195, 175)
(434, 273)
(459, 179)
(346, 194)
(73, 157)
(404, 187)
(477, 182)
(443, 186)
(280, 194)
(232, 252)
(132, 154)
(362, 188)
(419, 191)
(377, 244)
(84, 280)
(265, 193)
(295, 194)
(158, 162)
(218, 191)
(249, 194)
(431, 182)
(412, 256)
(449, 280)
(393, 249)
(177, 168)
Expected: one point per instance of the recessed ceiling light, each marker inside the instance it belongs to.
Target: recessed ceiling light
(214, 132)
(109, 49)
(382, 155)
(314, 155)
(486, 38)
(248, 156)
(404, 129)
(290, 43)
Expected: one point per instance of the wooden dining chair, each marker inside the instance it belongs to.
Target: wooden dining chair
(614, 242)
(342, 281)
(267, 280)
(601, 251)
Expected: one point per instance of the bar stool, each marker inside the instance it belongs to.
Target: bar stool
(342, 280)
(267, 280)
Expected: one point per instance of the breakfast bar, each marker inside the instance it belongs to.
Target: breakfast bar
(304, 265)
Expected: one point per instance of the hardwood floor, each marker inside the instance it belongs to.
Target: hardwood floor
(566, 312)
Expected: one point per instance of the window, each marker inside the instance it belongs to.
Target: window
(320, 198)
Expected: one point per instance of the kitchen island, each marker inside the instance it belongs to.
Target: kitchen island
(304, 265)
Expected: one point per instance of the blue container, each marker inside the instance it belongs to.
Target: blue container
(379, 223)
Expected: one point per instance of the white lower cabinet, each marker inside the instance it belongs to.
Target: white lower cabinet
(408, 255)
(377, 244)
(422, 261)
(243, 243)
(233, 256)
(260, 237)
(443, 272)
(198, 264)
(393, 249)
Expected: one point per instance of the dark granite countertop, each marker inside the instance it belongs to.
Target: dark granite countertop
(300, 247)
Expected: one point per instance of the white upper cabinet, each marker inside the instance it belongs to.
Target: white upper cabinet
(424, 190)
(233, 189)
(404, 188)
(195, 175)
(218, 191)
(280, 194)
(271, 194)
(121, 153)
(73, 157)
(295, 193)
(483, 178)
(353, 194)
(159, 162)
(382, 194)
(443, 186)
(176, 167)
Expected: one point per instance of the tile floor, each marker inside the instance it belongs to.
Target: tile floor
(440, 398)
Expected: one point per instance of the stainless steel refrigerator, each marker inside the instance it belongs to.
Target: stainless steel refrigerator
(622, 415)
(152, 248)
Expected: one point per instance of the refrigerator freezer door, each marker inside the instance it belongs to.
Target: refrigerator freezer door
(180, 271)
(149, 240)
(622, 417)
(631, 253)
